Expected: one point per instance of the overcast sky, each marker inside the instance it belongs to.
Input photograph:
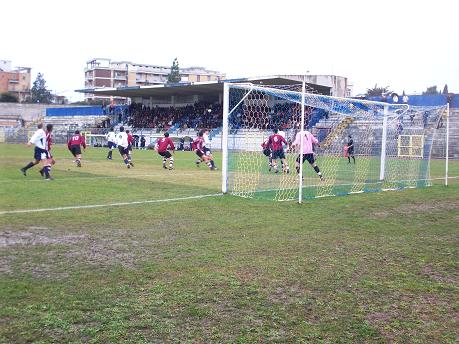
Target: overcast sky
(407, 45)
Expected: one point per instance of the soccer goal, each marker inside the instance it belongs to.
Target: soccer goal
(95, 140)
(391, 143)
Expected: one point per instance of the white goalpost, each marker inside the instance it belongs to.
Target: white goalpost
(391, 150)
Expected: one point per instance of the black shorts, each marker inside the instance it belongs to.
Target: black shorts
(75, 149)
(308, 157)
(278, 154)
(40, 154)
(350, 151)
(165, 154)
(123, 150)
(199, 153)
(267, 152)
(111, 144)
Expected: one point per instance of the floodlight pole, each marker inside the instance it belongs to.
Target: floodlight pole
(300, 190)
(447, 144)
(225, 138)
(382, 168)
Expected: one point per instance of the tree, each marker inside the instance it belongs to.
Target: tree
(8, 98)
(174, 75)
(377, 91)
(40, 94)
(431, 90)
(445, 89)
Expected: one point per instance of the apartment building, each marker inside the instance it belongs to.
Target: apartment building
(103, 72)
(16, 81)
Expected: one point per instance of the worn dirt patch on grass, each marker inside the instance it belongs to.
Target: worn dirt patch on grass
(11, 238)
(430, 271)
(23, 251)
(419, 208)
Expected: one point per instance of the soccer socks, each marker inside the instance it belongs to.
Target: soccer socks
(109, 156)
(126, 161)
(171, 163)
(348, 159)
(164, 162)
(29, 165)
(316, 168)
(46, 171)
(78, 162)
(353, 158)
(209, 164)
(129, 159)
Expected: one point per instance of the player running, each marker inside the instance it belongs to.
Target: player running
(309, 141)
(40, 152)
(207, 145)
(111, 138)
(49, 142)
(275, 143)
(162, 146)
(74, 146)
(199, 149)
(122, 143)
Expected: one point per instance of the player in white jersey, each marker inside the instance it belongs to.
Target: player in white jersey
(207, 146)
(40, 153)
(111, 138)
(123, 144)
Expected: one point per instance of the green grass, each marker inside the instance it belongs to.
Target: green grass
(375, 267)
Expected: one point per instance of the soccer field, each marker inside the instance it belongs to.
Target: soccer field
(175, 266)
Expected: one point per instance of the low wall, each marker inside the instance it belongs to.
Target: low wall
(28, 112)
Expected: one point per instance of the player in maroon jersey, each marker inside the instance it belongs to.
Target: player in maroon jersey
(74, 146)
(130, 139)
(199, 149)
(162, 146)
(193, 148)
(275, 143)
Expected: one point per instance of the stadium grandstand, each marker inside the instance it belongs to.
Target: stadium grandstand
(183, 109)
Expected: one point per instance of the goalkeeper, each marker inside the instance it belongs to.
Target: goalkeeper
(307, 154)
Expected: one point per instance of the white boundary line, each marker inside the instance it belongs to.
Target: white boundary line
(21, 211)
(98, 177)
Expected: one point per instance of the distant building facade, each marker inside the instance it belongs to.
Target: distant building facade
(102, 72)
(339, 85)
(16, 81)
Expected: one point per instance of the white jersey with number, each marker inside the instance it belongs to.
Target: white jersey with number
(122, 139)
(39, 139)
(111, 136)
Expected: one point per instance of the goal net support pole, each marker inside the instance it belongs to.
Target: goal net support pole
(225, 138)
(300, 154)
(447, 144)
(382, 168)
